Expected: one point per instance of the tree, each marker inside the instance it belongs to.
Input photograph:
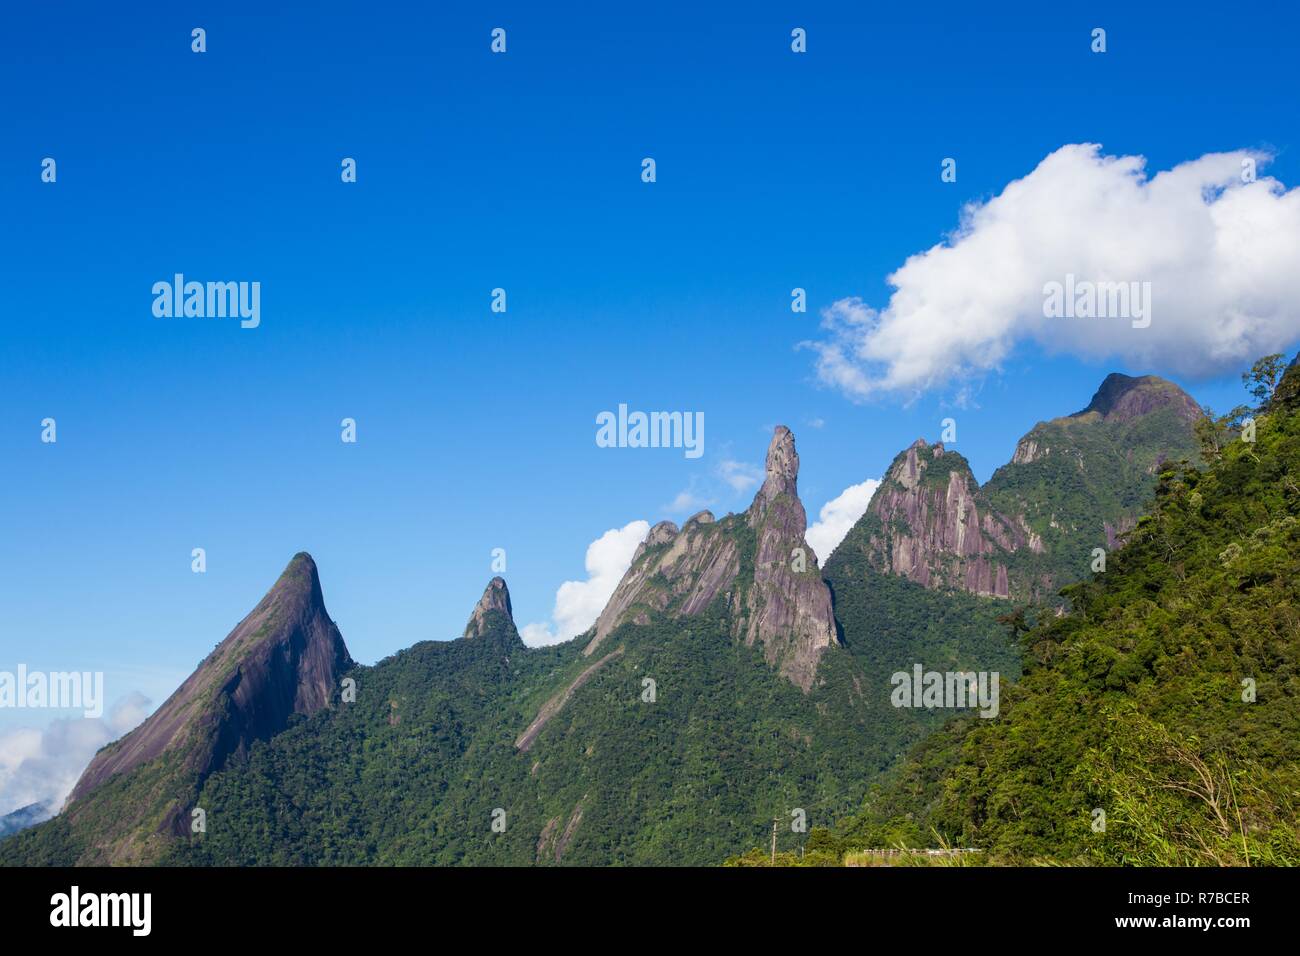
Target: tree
(1214, 432)
(1261, 381)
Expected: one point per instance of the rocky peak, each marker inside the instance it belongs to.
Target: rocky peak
(907, 467)
(781, 472)
(496, 598)
(700, 517)
(787, 610)
(783, 606)
(931, 525)
(286, 657)
(930, 521)
(661, 533)
(1122, 398)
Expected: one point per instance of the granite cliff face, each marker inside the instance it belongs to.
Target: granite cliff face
(788, 608)
(756, 563)
(930, 524)
(286, 657)
(1073, 484)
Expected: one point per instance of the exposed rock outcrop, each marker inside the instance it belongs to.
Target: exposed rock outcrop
(1124, 398)
(556, 703)
(1073, 483)
(286, 657)
(781, 603)
(496, 598)
(932, 525)
(788, 608)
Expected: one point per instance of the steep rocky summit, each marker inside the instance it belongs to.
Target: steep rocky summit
(495, 599)
(788, 608)
(1123, 398)
(285, 658)
(756, 564)
(1122, 401)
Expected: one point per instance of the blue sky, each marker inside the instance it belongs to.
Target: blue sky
(521, 171)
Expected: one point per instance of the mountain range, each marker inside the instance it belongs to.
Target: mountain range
(731, 680)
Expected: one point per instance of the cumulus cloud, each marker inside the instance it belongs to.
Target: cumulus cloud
(837, 516)
(42, 766)
(579, 603)
(1219, 247)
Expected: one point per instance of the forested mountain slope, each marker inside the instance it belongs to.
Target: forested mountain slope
(1159, 723)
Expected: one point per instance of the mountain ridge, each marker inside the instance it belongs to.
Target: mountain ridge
(1157, 723)
(1025, 532)
(728, 679)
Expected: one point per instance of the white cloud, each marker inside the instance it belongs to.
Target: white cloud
(1221, 256)
(42, 766)
(579, 603)
(837, 516)
(741, 476)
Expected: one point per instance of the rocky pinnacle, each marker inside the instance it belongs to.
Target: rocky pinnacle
(495, 598)
(286, 657)
(788, 608)
(781, 473)
(784, 607)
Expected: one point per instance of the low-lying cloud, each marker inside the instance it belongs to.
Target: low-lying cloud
(43, 765)
(837, 516)
(579, 603)
(1219, 245)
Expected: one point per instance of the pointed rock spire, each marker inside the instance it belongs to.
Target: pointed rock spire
(781, 471)
(495, 598)
(286, 657)
(785, 607)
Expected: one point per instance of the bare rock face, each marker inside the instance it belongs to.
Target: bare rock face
(787, 610)
(780, 475)
(495, 598)
(931, 523)
(679, 570)
(936, 529)
(781, 603)
(1124, 398)
(286, 657)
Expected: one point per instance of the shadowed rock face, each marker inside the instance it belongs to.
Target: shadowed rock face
(495, 598)
(286, 657)
(682, 572)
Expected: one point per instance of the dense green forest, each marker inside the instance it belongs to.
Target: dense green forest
(1156, 721)
(1097, 472)
(1159, 722)
(413, 771)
